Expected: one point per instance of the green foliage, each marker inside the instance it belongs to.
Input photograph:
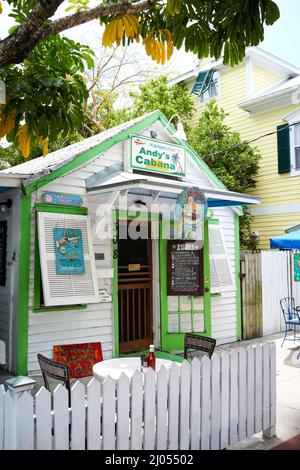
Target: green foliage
(236, 167)
(78, 5)
(11, 155)
(48, 91)
(156, 94)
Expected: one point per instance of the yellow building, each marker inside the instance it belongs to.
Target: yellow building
(262, 97)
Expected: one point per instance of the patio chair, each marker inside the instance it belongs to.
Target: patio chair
(194, 342)
(291, 316)
(55, 370)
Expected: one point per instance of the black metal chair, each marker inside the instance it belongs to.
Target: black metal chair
(291, 317)
(193, 342)
(55, 370)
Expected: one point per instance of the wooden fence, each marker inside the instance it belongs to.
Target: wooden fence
(208, 404)
(267, 277)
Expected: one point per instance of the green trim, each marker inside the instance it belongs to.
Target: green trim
(23, 286)
(40, 207)
(84, 157)
(213, 221)
(60, 309)
(207, 294)
(175, 341)
(115, 286)
(238, 278)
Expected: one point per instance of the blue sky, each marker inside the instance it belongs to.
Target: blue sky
(283, 38)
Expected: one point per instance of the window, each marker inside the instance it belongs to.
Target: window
(296, 149)
(206, 85)
(70, 288)
(288, 144)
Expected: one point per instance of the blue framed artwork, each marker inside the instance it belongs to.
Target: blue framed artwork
(69, 251)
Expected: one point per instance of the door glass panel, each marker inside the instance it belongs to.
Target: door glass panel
(297, 153)
(297, 135)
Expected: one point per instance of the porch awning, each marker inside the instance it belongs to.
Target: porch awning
(288, 241)
(138, 184)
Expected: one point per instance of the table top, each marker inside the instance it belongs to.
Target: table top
(127, 365)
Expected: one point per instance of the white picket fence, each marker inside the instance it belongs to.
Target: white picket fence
(208, 404)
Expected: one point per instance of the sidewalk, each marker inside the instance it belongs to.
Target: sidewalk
(288, 396)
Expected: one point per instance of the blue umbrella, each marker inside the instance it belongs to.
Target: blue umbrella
(288, 241)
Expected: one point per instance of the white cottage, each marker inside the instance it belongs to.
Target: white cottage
(80, 199)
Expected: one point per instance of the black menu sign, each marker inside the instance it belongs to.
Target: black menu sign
(185, 267)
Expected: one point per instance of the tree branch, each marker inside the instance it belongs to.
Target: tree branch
(16, 47)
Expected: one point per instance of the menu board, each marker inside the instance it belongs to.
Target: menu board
(185, 267)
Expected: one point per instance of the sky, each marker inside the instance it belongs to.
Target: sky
(281, 39)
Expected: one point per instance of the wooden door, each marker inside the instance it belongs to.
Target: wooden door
(135, 292)
(251, 283)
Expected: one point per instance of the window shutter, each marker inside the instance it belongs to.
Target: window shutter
(283, 148)
(221, 278)
(66, 289)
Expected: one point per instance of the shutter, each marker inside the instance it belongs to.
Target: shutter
(66, 289)
(283, 148)
(221, 278)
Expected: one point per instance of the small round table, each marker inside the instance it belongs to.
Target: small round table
(127, 365)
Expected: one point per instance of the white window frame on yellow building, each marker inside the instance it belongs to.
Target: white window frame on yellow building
(292, 119)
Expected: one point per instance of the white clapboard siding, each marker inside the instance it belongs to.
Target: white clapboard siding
(66, 289)
(206, 404)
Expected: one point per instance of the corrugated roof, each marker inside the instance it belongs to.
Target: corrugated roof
(60, 157)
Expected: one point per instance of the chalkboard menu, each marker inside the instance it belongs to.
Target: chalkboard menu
(185, 267)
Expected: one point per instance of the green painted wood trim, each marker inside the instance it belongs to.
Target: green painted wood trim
(213, 221)
(84, 157)
(175, 341)
(23, 286)
(60, 309)
(207, 294)
(115, 287)
(40, 207)
(238, 278)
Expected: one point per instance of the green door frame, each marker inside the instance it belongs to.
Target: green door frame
(119, 214)
(175, 341)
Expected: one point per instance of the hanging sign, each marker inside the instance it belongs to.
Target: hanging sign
(297, 267)
(80, 358)
(190, 211)
(157, 156)
(69, 251)
(62, 199)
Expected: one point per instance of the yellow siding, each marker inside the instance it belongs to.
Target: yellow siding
(269, 226)
(262, 78)
(272, 188)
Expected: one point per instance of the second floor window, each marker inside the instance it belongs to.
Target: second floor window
(297, 146)
(206, 85)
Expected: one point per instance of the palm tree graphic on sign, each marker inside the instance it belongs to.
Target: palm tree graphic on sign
(176, 160)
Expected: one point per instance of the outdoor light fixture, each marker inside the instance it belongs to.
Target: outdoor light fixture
(140, 203)
(179, 134)
(4, 205)
(153, 134)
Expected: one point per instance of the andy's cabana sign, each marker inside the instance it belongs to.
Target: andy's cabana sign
(157, 156)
